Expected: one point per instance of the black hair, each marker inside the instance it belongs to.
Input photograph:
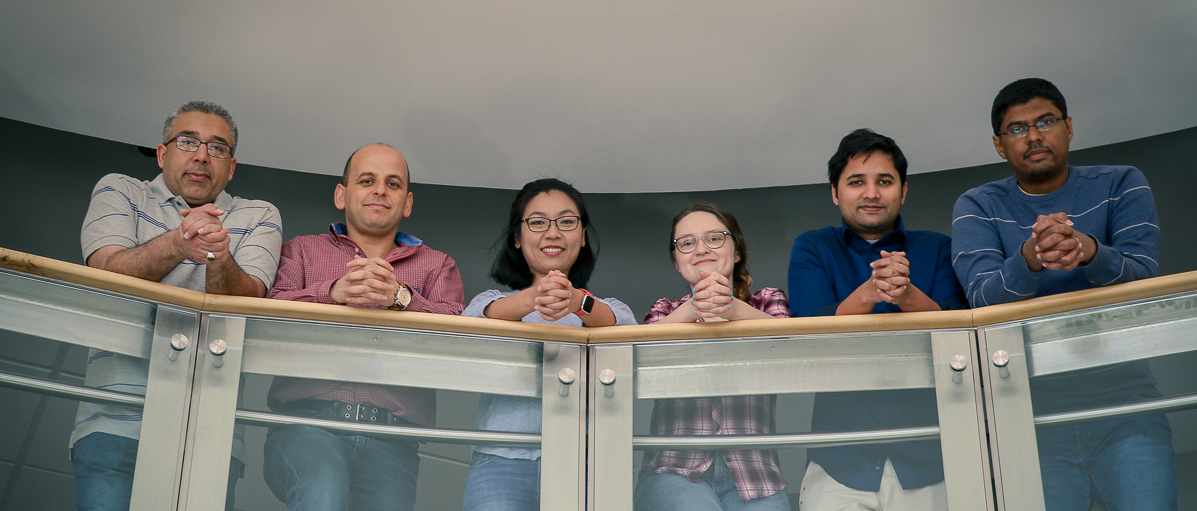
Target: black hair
(864, 141)
(1020, 92)
(511, 269)
(741, 281)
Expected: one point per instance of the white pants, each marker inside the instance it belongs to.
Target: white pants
(820, 492)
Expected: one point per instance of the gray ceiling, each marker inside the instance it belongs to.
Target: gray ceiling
(616, 96)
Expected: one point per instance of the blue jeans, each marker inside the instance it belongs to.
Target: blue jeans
(1123, 464)
(103, 465)
(313, 469)
(714, 491)
(496, 483)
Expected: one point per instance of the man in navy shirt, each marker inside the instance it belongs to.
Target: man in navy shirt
(872, 265)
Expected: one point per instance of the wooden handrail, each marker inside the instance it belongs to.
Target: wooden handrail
(1065, 302)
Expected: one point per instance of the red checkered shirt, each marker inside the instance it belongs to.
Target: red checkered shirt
(757, 473)
(307, 270)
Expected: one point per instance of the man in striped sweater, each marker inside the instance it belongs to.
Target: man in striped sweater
(1053, 228)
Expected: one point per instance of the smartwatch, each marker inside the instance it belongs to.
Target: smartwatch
(402, 298)
(587, 305)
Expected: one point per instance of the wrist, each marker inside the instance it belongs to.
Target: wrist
(335, 294)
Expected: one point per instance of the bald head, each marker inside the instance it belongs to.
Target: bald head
(376, 149)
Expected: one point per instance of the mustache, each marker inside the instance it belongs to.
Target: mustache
(1037, 147)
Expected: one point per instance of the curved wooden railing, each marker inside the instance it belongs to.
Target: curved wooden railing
(972, 318)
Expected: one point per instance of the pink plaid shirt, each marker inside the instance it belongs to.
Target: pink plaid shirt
(307, 270)
(757, 473)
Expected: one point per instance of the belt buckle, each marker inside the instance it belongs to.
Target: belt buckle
(366, 412)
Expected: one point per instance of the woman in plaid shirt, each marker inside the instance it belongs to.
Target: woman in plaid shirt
(720, 290)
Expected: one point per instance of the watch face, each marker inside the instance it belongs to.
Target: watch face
(587, 304)
(403, 297)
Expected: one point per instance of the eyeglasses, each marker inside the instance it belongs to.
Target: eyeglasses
(712, 240)
(192, 144)
(564, 223)
(1044, 126)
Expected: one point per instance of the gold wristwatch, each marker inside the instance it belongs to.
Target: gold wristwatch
(402, 298)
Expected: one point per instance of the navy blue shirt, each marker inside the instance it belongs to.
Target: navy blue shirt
(826, 266)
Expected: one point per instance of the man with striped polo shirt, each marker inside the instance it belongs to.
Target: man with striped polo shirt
(1053, 228)
(180, 229)
(365, 262)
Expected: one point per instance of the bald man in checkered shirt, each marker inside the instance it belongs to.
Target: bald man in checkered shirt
(365, 262)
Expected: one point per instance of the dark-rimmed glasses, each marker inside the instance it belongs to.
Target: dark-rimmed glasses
(192, 144)
(1044, 126)
(712, 240)
(564, 223)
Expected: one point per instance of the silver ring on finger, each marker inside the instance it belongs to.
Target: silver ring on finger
(211, 256)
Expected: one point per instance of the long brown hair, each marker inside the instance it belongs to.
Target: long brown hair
(741, 281)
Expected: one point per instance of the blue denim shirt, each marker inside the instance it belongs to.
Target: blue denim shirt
(826, 266)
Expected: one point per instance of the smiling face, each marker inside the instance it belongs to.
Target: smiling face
(869, 194)
(721, 260)
(377, 196)
(197, 177)
(1039, 160)
(553, 249)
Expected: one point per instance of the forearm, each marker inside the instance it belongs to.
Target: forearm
(226, 278)
(686, 313)
(512, 308)
(742, 310)
(600, 315)
(152, 261)
(860, 301)
(915, 300)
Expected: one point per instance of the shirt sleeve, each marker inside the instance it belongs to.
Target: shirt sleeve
(813, 289)
(444, 293)
(660, 309)
(773, 302)
(257, 253)
(111, 215)
(291, 282)
(989, 277)
(623, 313)
(477, 306)
(1134, 235)
(945, 289)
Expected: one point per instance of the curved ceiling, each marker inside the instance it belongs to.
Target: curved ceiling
(616, 96)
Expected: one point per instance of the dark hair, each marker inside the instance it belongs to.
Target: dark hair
(345, 173)
(864, 141)
(1021, 91)
(741, 281)
(510, 268)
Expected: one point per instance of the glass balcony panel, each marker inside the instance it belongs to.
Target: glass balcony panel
(867, 388)
(293, 361)
(1110, 376)
(76, 364)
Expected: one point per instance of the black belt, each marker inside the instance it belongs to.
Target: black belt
(342, 411)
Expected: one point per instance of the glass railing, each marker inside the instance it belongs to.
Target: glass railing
(961, 380)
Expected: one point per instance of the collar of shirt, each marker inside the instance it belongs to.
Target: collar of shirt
(852, 240)
(158, 187)
(407, 244)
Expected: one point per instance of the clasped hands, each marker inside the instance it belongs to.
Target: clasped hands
(712, 298)
(890, 278)
(368, 280)
(554, 296)
(1055, 245)
(202, 233)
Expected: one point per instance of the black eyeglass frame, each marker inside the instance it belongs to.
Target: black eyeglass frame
(553, 222)
(1015, 132)
(211, 146)
(726, 235)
